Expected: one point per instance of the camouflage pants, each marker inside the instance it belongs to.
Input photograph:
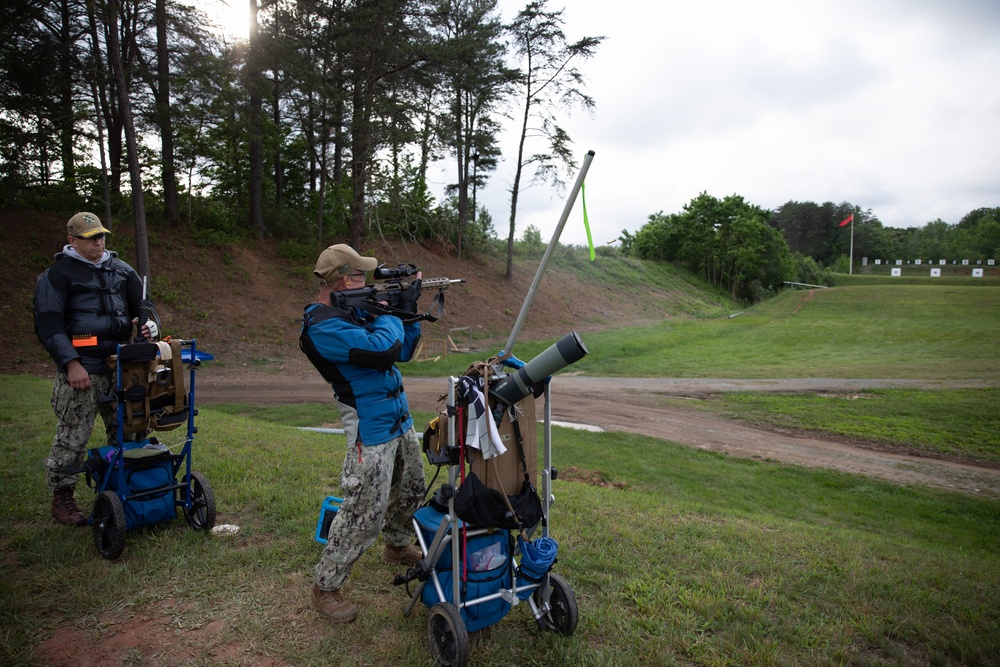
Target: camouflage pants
(76, 412)
(381, 491)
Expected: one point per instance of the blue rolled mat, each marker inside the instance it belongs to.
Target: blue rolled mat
(537, 558)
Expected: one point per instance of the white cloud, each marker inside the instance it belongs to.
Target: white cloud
(890, 105)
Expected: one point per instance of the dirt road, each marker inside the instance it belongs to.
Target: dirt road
(639, 406)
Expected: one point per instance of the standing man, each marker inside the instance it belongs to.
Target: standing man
(382, 480)
(85, 304)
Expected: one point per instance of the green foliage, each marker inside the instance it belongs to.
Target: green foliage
(405, 208)
(214, 224)
(164, 292)
(811, 272)
(729, 243)
(479, 237)
(548, 83)
(295, 252)
(531, 244)
(814, 231)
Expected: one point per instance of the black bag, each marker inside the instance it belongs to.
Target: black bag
(481, 506)
(527, 505)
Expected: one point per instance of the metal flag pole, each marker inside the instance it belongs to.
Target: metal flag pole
(526, 306)
(850, 264)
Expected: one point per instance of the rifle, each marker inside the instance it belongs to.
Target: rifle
(383, 296)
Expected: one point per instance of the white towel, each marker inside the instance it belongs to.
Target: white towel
(481, 430)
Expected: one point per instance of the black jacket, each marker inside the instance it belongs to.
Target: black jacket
(76, 298)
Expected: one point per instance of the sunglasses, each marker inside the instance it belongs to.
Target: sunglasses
(95, 237)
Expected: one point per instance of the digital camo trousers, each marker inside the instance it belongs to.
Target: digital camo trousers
(76, 411)
(381, 491)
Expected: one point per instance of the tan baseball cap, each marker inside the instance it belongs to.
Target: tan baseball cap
(339, 260)
(84, 225)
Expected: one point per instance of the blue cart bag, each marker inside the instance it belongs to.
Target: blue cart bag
(147, 485)
(487, 571)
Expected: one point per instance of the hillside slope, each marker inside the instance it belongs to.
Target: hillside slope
(245, 299)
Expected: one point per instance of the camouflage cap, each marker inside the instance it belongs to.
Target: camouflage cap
(84, 225)
(339, 260)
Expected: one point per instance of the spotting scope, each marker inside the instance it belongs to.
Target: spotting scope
(567, 350)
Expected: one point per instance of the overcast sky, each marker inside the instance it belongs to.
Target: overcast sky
(891, 105)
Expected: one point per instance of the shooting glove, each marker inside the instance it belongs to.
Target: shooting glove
(408, 298)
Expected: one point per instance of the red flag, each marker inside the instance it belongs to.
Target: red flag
(849, 220)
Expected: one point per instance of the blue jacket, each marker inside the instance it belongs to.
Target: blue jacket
(357, 357)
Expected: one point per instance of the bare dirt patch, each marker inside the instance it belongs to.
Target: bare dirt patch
(154, 634)
(589, 477)
(638, 406)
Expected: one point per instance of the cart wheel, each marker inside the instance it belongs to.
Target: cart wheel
(108, 519)
(201, 514)
(447, 636)
(563, 615)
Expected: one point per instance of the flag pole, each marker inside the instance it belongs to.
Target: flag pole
(850, 265)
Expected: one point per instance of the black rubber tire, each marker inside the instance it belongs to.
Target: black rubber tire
(447, 636)
(108, 521)
(201, 514)
(563, 615)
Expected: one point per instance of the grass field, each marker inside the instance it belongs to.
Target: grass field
(692, 558)
(700, 559)
(962, 423)
(885, 331)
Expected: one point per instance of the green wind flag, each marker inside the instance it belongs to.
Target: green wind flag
(586, 223)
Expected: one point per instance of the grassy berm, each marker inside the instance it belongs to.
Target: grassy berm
(242, 299)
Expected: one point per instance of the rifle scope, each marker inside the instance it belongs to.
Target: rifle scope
(402, 271)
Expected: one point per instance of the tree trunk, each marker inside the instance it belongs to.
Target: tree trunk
(278, 176)
(135, 171)
(163, 115)
(105, 190)
(517, 184)
(95, 89)
(108, 110)
(255, 81)
(461, 158)
(324, 141)
(360, 139)
(66, 114)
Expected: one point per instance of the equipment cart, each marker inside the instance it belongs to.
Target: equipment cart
(472, 574)
(473, 570)
(139, 480)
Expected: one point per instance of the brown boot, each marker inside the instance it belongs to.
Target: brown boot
(64, 508)
(333, 604)
(408, 554)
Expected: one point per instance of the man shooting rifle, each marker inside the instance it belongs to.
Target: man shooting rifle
(356, 347)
